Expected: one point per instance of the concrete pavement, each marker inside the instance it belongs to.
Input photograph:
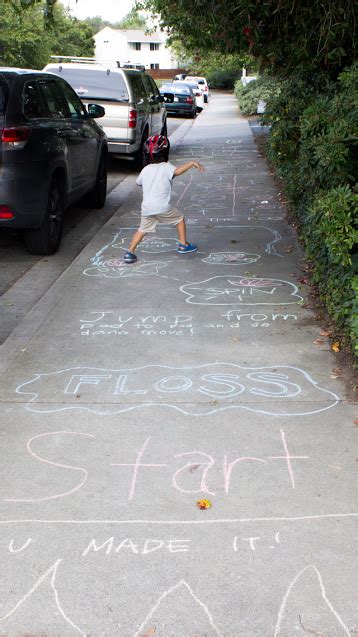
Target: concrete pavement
(131, 392)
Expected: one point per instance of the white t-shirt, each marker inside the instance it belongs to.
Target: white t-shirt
(156, 181)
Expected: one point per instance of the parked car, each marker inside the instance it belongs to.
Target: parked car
(134, 108)
(202, 83)
(179, 99)
(180, 77)
(52, 153)
(199, 96)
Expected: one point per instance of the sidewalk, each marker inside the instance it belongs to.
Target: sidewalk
(131, 392)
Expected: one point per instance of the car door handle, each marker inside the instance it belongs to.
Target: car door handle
(67, 132)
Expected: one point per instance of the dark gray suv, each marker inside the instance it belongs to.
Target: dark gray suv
(52, 153)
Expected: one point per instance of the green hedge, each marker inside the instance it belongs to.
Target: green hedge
(264, 88)
(222, 79)
(314, 149)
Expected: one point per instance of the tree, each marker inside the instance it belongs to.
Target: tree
(284, 35)
(27, 41)
(133, 20)
(24, 39)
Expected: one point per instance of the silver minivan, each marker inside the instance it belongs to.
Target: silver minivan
(133, 105)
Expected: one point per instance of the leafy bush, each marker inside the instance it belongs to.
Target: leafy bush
(221, 79)
(264, 88)
(330, 236)
(314, 149)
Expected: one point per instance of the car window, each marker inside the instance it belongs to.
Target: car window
(4, 95)
(147, 84)
(179, 90)
(137, 85)
(33, 104)
(155, 89)
(56, 106)
(74, 104)
(93, 84)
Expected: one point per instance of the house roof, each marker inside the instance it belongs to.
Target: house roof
(136, 35)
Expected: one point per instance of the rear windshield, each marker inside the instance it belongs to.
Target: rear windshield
(174, 88)
(94, 83)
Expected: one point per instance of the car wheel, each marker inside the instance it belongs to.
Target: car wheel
(47, 238)
(206, 99)
(139, 156)
(96, 198)
(192, 115)
(165, 130)
(199, 109)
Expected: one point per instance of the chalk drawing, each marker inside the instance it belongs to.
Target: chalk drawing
(151, 245)
(110, 391)
(170, 591)
(304, 571)
(52, 571)
(231, 258)
(208, 521)
(287, 457)
(112, 322)
(54, 464)
(116, 269)
(257, 320)
(236, 290)
(147, 547)
(21, 548)
(136, 467)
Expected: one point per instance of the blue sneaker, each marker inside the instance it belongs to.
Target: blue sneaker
(186, 248)
(130, 257)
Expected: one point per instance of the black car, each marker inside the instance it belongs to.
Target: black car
(52, 153)
(179, 99)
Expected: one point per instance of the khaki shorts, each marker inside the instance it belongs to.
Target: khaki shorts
(149, 223)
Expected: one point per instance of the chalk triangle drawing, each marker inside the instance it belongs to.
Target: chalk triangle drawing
(302, 612)
(48, 578)
(164, 600)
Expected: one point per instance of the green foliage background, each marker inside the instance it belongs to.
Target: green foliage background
(313, 145)
(27, 41)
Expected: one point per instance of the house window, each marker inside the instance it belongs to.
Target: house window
(136, 46)
(154, 66)
(154, 46)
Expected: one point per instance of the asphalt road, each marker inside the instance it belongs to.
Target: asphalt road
(14, 258)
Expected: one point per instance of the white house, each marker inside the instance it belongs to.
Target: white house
(134, 46)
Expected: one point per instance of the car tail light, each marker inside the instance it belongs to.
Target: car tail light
(15, 137)
(189, 100)
(6, 213)
(133, 116)
(206, 88)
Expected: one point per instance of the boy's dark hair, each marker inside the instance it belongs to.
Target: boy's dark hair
(156, 149)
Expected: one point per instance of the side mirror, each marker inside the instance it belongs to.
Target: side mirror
(95, 111)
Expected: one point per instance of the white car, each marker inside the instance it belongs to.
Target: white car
(199, 96)
(204, 86)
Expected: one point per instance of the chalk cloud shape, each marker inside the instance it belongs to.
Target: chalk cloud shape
(192, 390)
(165, 618)
(241, 291)
(306, 609)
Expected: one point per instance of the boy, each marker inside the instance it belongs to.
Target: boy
(156, 181)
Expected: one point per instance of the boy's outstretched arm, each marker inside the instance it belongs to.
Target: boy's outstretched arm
(184, 167)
